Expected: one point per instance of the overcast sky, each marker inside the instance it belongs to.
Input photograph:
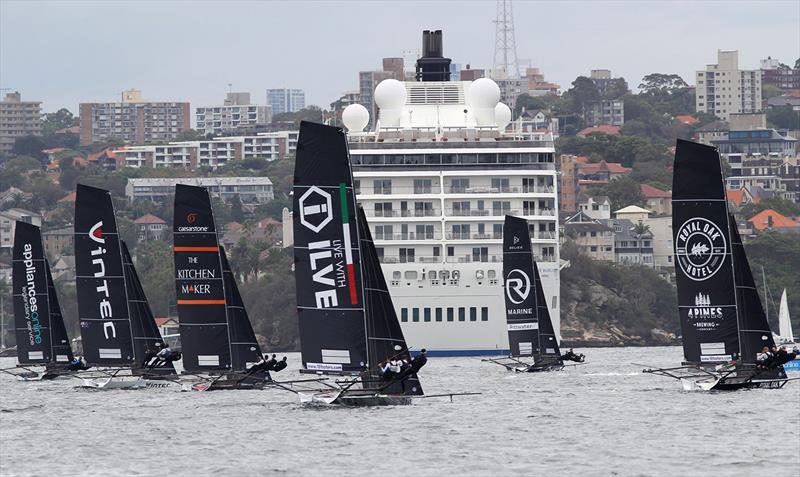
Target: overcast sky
(65, 52)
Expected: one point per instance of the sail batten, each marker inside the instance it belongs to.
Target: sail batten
(102, 295)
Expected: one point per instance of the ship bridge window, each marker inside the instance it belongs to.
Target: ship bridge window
(414, 159)
(433, 159)
(448, 158)
(450, 314)
(508, 158)
(372, 160)
(394, 159)
(462, 314)
(487, 158)
(473, 313)
(468, 159)
(410, 274)
(426, 315)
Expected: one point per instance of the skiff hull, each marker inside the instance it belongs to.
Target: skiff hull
(354, 400)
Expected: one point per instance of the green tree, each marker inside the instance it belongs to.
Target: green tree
(61, 119)
(154, 264)
(237, 213)
(190, 135)
(617, 89)
(583, 91)
(784, 117)
(528, 103)
(621, 192)
(659, 83)
(30, 146)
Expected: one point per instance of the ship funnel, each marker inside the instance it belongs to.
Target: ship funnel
(433, 66)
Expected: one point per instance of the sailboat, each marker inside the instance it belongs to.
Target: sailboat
(723, 323)
(117, 325)
(217, 337)
(39, 327)
(531, 337)
(786, 337)
(348, 324)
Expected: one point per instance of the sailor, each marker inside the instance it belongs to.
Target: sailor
(280, 365)
(77, 364)
(419, 361)
(164, 357)
(270, 366)
(764, 358)
(149, 353)
(260, 365)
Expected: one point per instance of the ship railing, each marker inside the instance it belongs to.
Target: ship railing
(393, 190)
(545, 235)
(411, 259)
(474, 259)
(402, 213)
(408, 236)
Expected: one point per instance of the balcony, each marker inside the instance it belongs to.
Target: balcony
(408, 236)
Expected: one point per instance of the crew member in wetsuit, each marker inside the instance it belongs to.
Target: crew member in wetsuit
(419, 361)
(77, 364)
(260, 365)
(280, 365)
(764, 358)
(782, 357)
(270, 366)
(149, 354)
(164, 357)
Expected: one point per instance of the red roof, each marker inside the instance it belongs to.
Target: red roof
(268, 221)
(147, 219)
(603, 128)
(613, 167)
(233, 226)
(650, 192)
(53, 150)
(161, 321)
(582, 159)
(761, 221)
(686, 119)
(68, 198)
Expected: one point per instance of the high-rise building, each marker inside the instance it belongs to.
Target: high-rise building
(393, 68)
(284, 100)
(235, 113)
(606, 111)
(567, 183)
(783, 77)
(723, 88)
(18, 118)
(133, 120)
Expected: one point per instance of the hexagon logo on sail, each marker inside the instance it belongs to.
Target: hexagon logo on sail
(315, 209)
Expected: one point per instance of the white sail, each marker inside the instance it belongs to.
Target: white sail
(784, 322)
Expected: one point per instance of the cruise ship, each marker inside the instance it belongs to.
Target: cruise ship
(436, 175)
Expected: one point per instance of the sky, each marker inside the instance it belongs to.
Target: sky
(66, 52)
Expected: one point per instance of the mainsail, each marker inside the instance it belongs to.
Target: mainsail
(784, 322)
(330, 305)
(100, 281)
(59, 340)
(30, 296)
(143, 324)
(199, 285)
(703, 262)
(530, 330)
(385, 340)
(244, 346)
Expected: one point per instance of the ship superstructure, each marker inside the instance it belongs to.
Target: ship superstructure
(436, 177)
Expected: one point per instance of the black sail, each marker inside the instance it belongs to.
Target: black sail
(59, 340)
(548, 341)
(30, 296)
(143, 324)
(199, 286)
(520, 291)
(244, 346)
(754, 329)
(703, 263)
(330, 305)
(100, 281)
(384, 334)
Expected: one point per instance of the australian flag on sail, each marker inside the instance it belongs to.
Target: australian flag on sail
(520, 292)
(327, 263)
(703, 264)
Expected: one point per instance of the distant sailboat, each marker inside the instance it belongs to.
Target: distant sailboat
(348, 325)
(785, 335)
(40, 332)
(723, 323)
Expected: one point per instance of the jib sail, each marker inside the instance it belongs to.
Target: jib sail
(754, 330)
(59, 340)
(548, 341)
(522, 319)
(703, 263)
(385, 337)
(30, 296)
(199, 285)
(100, 281)
(143, 324)
(330, 305)
(244, 346)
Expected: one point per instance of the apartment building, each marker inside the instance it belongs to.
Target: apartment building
(611, 112)
(248, 189)
(133, 120)
(285, 100)
(236, 113)
(567, 183)
(211, 153)
(17, 119)
(8, 225)
(723, 88)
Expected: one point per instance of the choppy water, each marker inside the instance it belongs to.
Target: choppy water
(602, 418)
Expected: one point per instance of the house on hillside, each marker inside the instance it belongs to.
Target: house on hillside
(150, 227)
(8, 225)
(595, 207)
(630, 247)
(602, 129)
(658, 201)
(58, 241)
(594, 238)
(770, 220)
(600, 173)
(738, 198)
(63, 268)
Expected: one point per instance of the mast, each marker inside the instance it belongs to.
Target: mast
(330, 304)
(100, 281)
(766, 303)
(30, 296)
(199, 284)
(707, 298)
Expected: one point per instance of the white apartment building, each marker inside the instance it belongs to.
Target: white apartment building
(8, 224)
(249, 189)
(211, 153)
(723, 88)
(236, 112)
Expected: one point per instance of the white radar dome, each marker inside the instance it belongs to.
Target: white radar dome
(355, 117)
(390, 94)
(484, 93)
(502, 114)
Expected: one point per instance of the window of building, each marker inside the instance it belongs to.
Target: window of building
(449, 314)
(438, 314)
(383, 186)
(473, 313)
(406, 255)
(423, 186)
(593, 248)
(426, 315)
(451, 251)
(484, 313)
(383, 232)
(404, 315)
(459, 185)
(462, 313)
(415, 315)
(480, 254)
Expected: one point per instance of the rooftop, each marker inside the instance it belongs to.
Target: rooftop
(603, 129)
(613, 167)
(767, 219)
(650, 192)
(147, 219)
(632, 209)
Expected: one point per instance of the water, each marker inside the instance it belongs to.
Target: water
(602, 418)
